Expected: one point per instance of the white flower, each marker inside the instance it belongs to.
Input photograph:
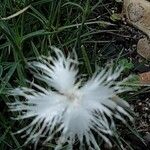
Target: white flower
(68, 106)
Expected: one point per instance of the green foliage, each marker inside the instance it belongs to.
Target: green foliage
(115, 17)
(127, 64)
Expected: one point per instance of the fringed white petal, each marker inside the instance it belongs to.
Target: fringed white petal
(47, 109)
(59, 72)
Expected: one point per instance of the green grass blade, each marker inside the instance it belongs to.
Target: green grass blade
(86, 60)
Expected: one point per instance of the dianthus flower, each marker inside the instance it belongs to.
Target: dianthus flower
(69, 106)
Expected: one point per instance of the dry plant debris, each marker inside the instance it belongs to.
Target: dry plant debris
(143, 48)
(137, 13)
(145, 78)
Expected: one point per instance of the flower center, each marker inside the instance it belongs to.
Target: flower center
(73, 96)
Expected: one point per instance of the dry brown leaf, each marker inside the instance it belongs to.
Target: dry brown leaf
(145, 78)
(137, 13)
(143, 48)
